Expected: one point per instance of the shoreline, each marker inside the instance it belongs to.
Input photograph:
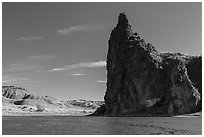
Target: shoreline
(31, 115)
(69, 113)
(13, 110)
(41, 114)
(85, 115)
(26, 110)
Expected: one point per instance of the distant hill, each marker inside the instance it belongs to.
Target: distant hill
(12, 92)
(84, 103)
(20, 96)
(17, 100)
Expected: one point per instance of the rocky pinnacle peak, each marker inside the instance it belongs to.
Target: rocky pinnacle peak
(123, 29)
(122, 18)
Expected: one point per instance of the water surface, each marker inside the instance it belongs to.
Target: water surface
(68, 125)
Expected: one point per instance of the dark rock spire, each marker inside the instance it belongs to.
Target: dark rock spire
(123, 29)
(122, 19)
(142, 81)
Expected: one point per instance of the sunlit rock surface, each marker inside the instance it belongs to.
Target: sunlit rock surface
(18, 101)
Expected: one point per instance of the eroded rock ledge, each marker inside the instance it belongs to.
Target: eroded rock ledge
(144, 82)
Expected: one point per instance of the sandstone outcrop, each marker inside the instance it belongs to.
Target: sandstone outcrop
(142, 81)
(20, 96)
(83, 103)
(12, 92)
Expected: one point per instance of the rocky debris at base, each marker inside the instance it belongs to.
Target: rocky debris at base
(197, 114)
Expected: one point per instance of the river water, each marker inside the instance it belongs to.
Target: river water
(75, 125)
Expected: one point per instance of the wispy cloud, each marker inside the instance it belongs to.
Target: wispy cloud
(20, 66)
(11, 78)
(14, 79)
(41, 57)
(31, 63)
(79, 28)
(77, 74)
(102, 81)
(30, 38)
(81, 65)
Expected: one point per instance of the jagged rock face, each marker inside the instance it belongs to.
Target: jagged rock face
(143, 81)
(194, 67)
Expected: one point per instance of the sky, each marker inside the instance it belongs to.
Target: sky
(59, 49)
